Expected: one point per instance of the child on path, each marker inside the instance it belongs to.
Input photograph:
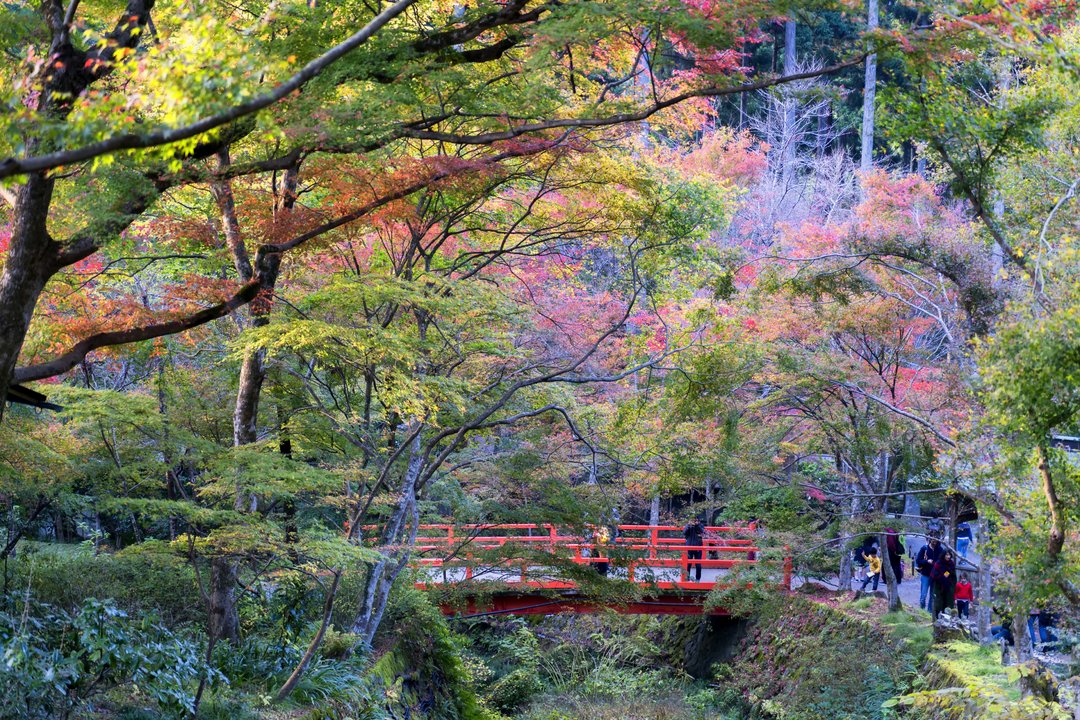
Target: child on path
(964, 595)
(873, 568)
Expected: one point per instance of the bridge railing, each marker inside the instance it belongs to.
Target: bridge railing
(644, 553)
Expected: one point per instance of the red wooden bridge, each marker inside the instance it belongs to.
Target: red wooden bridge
(528, 569)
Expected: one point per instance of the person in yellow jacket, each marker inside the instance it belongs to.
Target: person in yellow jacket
(873, 568)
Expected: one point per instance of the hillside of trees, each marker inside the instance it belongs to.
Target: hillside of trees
(283, 283)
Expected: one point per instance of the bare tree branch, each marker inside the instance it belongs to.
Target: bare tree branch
(899, 411)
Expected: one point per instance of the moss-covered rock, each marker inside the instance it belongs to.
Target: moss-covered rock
(807, 660)
(961, 680)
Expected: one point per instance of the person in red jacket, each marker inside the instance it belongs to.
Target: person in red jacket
(964, 595)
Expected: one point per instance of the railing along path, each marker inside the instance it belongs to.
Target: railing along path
(527, 556)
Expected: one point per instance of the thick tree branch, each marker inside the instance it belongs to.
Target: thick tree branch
(129, 141)
(18, 166)
(121, 337)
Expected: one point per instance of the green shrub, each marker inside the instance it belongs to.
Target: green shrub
(255, 662)
(136, 714)
(139, 580)
(220, 707)
(337, 645)
(55, 663)
(512, 692)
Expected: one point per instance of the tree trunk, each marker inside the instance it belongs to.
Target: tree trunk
(1055, 541)
(1021, 637)
(866, 162)
(790, 138)
(230, 225)
(709, 490)
(31, 259)
(997, 255)
(954, 514)
(891, 587)
(224, 618)
(248, 391)
(223, 609)
(397, 541)
(984, 595)
(844, 579)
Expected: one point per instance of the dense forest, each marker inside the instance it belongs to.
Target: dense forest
(331, 330)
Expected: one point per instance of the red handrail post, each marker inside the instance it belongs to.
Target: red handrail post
(787, 568)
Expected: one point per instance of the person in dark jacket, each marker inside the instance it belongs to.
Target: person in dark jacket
(924, 563)
(859, 554)
(943, 578)
(896, 553)
(1003, 630)
(694, 533)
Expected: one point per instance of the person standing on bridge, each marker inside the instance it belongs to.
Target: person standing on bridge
(694, 533)
(601, 537)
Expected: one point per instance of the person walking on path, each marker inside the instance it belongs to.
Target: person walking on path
(963, 539)
(964, 595)
(873, 568)
(924, 564)
(1046, 638)
(694, 533)
(943, 578)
